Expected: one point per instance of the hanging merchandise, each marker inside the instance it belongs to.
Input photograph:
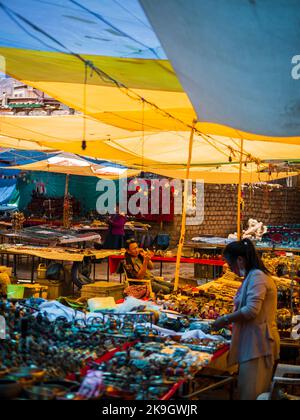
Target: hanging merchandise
(255, 231)
(18, 220)
(40, 188)
(68, 212)
(156, 198)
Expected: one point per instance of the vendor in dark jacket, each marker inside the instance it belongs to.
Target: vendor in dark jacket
(138, 265)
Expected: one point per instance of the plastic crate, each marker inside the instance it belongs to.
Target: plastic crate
(24, 291)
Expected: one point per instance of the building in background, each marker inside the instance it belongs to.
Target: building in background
(19, 98)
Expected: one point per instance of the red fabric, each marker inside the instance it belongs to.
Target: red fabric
(118, 302)
(176, 387)
(105, 358)
(110, 354)
(114, 261)
(220, 353)
(172, 391)
(161, 217)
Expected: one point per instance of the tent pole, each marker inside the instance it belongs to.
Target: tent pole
(239, 230)
(66, 204)
(67, 185)
(185, 197)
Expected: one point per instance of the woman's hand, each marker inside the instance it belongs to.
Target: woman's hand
(220, 323)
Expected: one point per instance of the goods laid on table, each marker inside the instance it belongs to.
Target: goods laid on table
(48, 235)
(51, 208)
(132, 224)
(148, 369)
(5, 279)
(286, 274)
(94, 224)
(255, 231)
(17, 221)
(281, 265)
(209, 301)
(57, 253)
(214, 299)
(105, 351)
(204, 306)
(285, 236)
(58, 347)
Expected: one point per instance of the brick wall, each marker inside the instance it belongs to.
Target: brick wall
(278, 206)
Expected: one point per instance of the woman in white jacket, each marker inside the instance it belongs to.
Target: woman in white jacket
(255, 342)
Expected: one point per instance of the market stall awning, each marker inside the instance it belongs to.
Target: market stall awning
(136, 149)
(236, 60)
(225, 175)
(14, 143)
(73, 165)
(107, 62)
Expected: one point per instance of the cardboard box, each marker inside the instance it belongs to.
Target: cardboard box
(103, 289)
(55, 288)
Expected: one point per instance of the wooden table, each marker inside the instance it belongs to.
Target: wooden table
(54, 254)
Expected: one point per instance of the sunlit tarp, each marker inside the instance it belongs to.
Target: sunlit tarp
(172, 149)
(234, 59)
(38, 38)
(161, 153)
(59, 128)
(74, 165)
(14, 143)
(225, 175)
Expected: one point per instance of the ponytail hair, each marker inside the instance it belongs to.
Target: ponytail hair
(246, 250)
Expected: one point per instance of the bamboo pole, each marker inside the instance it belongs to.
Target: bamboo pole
(185, 196)
(239, 227)
(67, 185)
(66, 222)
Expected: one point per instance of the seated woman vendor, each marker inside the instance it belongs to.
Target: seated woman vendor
(138, 265)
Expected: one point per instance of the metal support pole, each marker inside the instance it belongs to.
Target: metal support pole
(239, 230)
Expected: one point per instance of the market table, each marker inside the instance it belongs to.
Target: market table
(183, 385)
(219, 247)
(115, 260)
(56, 254)
(49, 236)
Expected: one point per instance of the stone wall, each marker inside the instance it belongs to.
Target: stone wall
(278, 206)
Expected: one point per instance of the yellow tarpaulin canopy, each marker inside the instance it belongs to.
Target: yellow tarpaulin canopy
(211, 175)
(224, 175)
(153, 80)
(11, 143)
(137, 148)
(163, 153)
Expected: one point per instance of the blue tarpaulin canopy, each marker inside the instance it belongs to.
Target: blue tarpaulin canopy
(9, 195)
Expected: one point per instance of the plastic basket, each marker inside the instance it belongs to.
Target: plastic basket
(15, 291)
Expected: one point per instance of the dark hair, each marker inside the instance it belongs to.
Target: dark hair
(129, 242)
(246, 250)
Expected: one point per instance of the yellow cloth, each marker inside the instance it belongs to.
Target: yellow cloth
(59, 253)
(4, 282)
